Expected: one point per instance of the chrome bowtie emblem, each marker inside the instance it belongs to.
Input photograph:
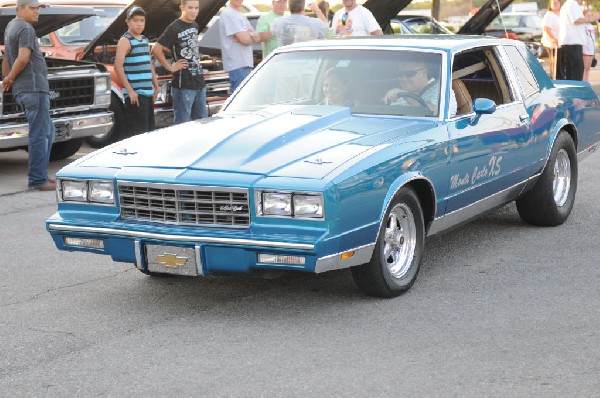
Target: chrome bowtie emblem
(171, 260)
(54, 94)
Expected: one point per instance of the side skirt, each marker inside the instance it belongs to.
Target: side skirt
(474, 210)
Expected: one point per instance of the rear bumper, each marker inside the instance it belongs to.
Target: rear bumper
(16, 135)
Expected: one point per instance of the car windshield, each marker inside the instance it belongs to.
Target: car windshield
(87, 29)
(391, 82)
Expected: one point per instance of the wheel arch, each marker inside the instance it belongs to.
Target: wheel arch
(424, 189)
(569, 127)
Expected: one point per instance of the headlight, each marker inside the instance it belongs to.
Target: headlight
(277, 204)
(102, 84)
(102, 191)
(308, 206)
(74, 191)
(89, 191)
(290, 204)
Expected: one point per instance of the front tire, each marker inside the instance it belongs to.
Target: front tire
(64, 149)
(399, 249)
(551, 200)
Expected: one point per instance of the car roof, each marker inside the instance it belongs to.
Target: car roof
(448, 43)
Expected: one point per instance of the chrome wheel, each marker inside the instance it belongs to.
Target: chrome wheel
(561, 182)
(399, 241)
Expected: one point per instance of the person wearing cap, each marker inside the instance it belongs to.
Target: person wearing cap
(188, 86)
(24, 71)
(136, 73)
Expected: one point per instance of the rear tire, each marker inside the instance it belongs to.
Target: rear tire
(551, 200)
(64, 149)
(116, 133)
(399, 249)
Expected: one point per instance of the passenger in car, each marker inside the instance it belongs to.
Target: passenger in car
(336, 88)
(417, 88)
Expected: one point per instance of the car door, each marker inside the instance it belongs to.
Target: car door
(486, 151)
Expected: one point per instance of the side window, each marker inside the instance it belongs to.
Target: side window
(479, 74)
(527, 81)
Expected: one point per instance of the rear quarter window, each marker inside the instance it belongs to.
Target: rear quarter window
(527, 81)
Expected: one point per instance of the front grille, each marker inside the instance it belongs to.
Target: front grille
(63, 93)
(184, 204)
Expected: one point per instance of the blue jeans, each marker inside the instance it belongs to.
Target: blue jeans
(41, 135)
(188, 104)
(237, 76)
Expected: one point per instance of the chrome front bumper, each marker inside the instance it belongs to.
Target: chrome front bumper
(67, 128)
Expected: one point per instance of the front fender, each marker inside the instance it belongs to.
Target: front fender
(406, 179)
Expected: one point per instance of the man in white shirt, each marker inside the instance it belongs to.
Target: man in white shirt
(354, 20)
(571, 36)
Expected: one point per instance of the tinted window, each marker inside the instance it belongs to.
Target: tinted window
(527, 81)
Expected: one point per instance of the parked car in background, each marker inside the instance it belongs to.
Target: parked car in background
(522, 26)
(94, 39)
(79, 92)
(410, 23)
(279, 181)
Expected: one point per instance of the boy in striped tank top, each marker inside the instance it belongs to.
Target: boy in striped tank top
(135, 70)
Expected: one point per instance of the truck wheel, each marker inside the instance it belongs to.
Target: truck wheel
(551, 200)
(399, 249)
(116, 132)
(64, 149)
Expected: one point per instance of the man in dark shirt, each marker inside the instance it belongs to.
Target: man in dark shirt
(24, 71)
(181, 40)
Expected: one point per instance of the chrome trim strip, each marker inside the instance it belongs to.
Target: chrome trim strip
(199, 265)
(79, 126)
(138, 254)
(587, 151)
(362, 255)
(475, 209)
(180, 238)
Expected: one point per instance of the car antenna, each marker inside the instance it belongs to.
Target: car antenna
(501, 19)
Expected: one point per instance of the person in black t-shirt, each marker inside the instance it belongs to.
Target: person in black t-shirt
(181, 40)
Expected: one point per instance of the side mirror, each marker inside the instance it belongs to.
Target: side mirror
(482, 106)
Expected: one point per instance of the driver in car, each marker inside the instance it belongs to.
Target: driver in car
(417, 89)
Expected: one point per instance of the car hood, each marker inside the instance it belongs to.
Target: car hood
(51, 18)
(302, 142)
(385, 10)
(159, 14)
(482, 18)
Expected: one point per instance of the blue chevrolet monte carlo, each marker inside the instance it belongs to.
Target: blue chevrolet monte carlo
(285, 178)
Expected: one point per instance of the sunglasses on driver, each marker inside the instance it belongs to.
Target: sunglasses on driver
(408, 73)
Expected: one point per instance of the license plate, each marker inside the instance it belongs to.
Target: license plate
(175, 260)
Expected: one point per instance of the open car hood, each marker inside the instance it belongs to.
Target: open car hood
(482, 18)
(159, 14)
(51, 18)
(385, 10)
